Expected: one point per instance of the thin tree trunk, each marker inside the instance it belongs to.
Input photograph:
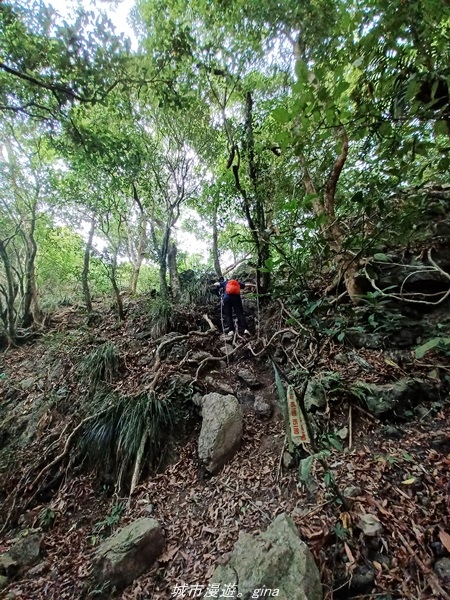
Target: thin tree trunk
(115, 286)
(163, 288)
(215, 248)
(173, 270)
(138, 259)
(10, 318)
(85, 273)
(31, 310)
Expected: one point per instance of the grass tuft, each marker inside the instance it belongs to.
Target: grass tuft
(100, 365)
(111, 442)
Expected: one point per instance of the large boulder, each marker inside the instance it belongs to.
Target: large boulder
(221, 431)
(393, 399)
(128, 553)
(276, 560)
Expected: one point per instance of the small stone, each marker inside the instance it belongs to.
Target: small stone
(391, 432)
(362, 579)
(370, 525)
(37, 570)
(442, 568)
(341, 358)
(245, 397)
(360, 361)
(342, 433)
(248, 378)
(218, 386)
(8, 566)
(149, 509)
(288, 460)
(352, 491)
(198, 356)
(262, 408)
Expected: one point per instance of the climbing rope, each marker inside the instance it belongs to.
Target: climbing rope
(223, 327)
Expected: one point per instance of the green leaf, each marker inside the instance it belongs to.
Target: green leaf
(433, 343)
(381, 257)
(281, 115)
(305, 467)
(440, 128)
(301, 70)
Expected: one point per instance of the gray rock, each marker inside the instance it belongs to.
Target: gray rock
(197, 399)
(373, 341)
(352, 491)
(370, 525)
(262, 408)
(248, 378)
(396, 398)
(216, 385)
(128, 553)
(198, 356)
(341, 358)
(391, 433)
(442, 568)
(8, 566)
(362, 579)
(37, 570)
(360, 361)
(221, 431)
(3, 582)
(27, 550)
(275, 559)
(245, 397)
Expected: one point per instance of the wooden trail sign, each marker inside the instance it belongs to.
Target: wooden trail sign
(299, 432)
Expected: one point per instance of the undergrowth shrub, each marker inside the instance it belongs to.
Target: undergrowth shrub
(160, 314)
(100, 365)
(111, 441)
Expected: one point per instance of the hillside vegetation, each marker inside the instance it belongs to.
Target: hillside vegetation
(301, 148)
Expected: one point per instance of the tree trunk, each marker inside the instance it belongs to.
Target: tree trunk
(31, 310)
(140, 254)
(163, 288)
(173, 270)
(215, 248)
(254, 205)
(85, 273)
(332, 229)
(10, 317)
(113, 278)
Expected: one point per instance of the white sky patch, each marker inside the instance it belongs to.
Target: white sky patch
(117, 11)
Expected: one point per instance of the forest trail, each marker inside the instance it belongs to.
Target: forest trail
(394, 469)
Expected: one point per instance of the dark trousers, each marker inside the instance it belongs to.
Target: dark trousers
(231, 303)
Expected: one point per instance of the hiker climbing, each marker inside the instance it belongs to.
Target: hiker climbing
(232, 302)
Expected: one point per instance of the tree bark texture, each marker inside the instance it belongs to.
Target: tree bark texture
(215, 248)
(85, 272)
(173, 270)
(11, 295)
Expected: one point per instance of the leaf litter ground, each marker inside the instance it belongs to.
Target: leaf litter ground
(403, 483)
